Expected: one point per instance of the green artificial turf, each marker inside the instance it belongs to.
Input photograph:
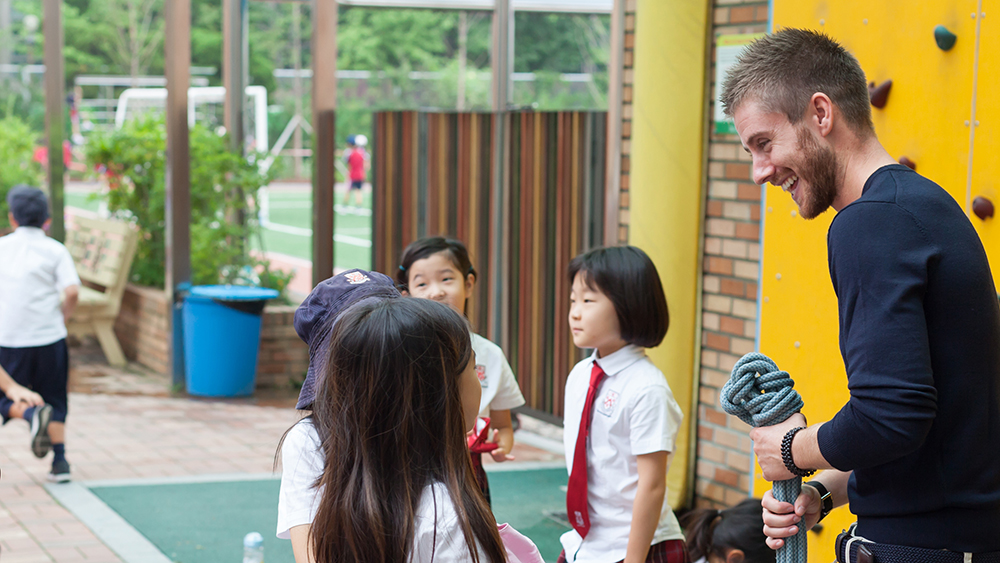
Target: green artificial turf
(206, 522)
(81, 201)
(524, 499)
(294, 209)
(202, 522)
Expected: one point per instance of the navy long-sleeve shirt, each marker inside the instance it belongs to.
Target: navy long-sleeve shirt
(920, 337)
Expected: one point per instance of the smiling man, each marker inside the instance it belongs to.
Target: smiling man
(915, 449)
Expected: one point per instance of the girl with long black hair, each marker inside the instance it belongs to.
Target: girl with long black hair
(386, 442)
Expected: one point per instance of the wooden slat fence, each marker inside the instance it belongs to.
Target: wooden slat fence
(434, 175)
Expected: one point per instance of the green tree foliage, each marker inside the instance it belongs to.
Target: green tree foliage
(101, 36)
(549, 45)
(206, 35)
(16, 163)
(134, 160)
(391, 43)
(398, 40)
(119, 36)
(560, 42)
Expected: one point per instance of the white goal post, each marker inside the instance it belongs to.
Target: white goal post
(135, 100)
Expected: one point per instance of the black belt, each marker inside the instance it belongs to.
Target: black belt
(861, 550)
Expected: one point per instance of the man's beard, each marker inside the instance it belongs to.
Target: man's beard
(820, 171)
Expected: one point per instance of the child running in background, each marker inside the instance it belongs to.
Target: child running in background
(621, 419)
(439, 269)
(397, 394)
(733, 535)
(358, 162)
(39, 288)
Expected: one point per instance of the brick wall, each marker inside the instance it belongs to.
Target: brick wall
(731, 267)
(628, 58)
(142, 327)
(283, 357)
(142, 330)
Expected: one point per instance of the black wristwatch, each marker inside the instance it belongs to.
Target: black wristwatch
(824, 497)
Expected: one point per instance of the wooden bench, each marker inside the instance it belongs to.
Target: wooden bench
(103, 251)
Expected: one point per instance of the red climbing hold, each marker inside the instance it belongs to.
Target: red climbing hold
(879, 94)
(982, 207)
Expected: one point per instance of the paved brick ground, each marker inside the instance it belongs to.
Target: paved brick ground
(124, 423)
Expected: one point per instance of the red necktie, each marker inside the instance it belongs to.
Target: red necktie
(576, 490)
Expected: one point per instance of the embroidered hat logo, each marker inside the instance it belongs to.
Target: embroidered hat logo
(356, 277)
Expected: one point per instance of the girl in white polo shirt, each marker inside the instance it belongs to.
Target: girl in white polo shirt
(616, 495)
(380, 467)
(439, 268)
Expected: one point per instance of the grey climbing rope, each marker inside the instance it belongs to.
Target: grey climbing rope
(762, 395)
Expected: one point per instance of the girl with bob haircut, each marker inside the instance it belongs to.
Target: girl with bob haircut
(390, 419)
(627, 276)
(621, 419)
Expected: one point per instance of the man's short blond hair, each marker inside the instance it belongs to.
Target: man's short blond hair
(783, 70)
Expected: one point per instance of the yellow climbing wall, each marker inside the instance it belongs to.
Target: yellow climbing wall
(985, 178)
(928, 118)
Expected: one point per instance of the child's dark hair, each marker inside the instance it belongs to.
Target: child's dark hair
(708, 531)
(628, 277)
(422, 248)
(28, 205)
(390, 420)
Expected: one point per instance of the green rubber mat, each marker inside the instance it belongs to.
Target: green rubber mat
(526, 499)
(202, 522)
(206, 522)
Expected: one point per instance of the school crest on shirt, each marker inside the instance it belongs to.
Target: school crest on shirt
(356, 277)
(606, 404)
(481, 374)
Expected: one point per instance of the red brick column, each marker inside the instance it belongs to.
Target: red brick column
(283, 357)
(731, 268)
(627, 66)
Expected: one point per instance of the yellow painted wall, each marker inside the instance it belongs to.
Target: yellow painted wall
(985, 179)
(925, 120)
(668, 128)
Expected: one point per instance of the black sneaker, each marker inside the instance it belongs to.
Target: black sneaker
(60, 472)
(40, 441)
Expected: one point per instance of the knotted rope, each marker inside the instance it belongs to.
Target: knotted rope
(761, 395)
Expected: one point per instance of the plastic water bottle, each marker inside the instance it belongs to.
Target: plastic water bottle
(253, 548)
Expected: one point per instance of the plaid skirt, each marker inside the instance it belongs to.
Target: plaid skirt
(670, 551)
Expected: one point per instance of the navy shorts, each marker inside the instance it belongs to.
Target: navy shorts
(44, 370)
(357, 184)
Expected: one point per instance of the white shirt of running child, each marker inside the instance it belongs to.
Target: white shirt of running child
(634, 414)
(437, 528)
(34, 271)
(500, 389)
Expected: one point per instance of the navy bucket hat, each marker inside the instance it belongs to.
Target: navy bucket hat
(315, 317)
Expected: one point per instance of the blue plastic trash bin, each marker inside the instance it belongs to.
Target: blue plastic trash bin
(222, 337)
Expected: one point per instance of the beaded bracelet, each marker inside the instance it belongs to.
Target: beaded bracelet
(786, 454)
